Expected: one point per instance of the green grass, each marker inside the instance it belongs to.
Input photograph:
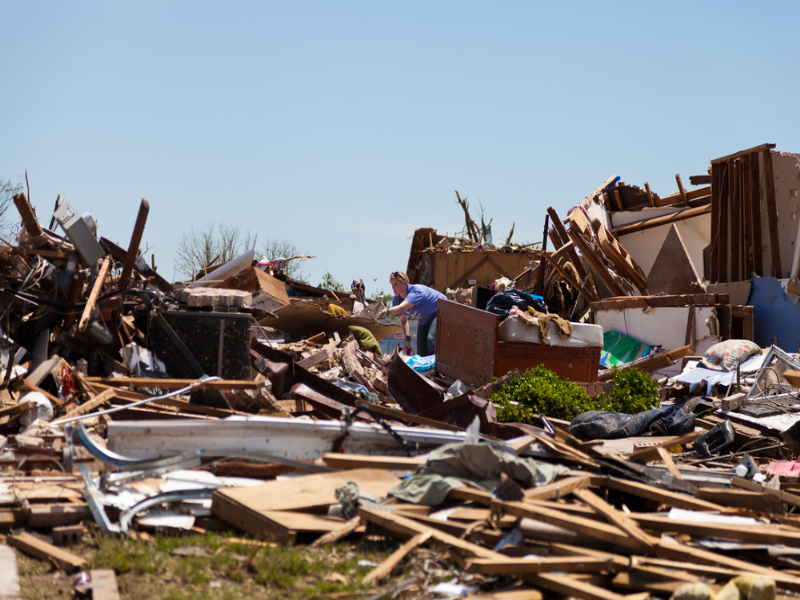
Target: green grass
(148, 570)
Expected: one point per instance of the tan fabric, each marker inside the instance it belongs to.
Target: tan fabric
(534, 319)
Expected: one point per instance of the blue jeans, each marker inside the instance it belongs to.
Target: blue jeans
(426, 338)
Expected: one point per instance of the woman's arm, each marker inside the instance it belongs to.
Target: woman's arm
(400, 308)
(404, 325)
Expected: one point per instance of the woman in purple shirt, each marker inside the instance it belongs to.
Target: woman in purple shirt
(414, 301)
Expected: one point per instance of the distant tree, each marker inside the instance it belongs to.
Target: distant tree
(329, 283)
(8, 216)
(217, 244)
(212, 245)
(283, 248)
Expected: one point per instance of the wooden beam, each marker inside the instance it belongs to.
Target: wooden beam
(91, 405)
(168, 384)
(618, 201)
(715, 199)
(681, 191)
(613, 516)
(133, 248)
(772, 216)
(681, 215)
(649, 194)
(557, 489)
(522, 566)
(761, 148)
(96, 289)
(569, 278)
(735, 234)
(661, 496)
(394, 559)
(366, 461)
(747, 221)
(755, 215)
(700, 179)
(595, 261)
(28, 217)
(722, 232)
(408, 417)
(573, 255)
(33, 546)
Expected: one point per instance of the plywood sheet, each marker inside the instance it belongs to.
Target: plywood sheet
(308, 492)
(466, 340)
(673, 271)
(459, 268)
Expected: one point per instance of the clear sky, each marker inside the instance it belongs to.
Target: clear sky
(344, 126)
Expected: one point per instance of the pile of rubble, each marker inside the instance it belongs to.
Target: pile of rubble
(247, 400)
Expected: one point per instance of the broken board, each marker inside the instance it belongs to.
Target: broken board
(673, 272)
(252, 508)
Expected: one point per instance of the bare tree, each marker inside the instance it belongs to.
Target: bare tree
(8, 215)
(216, 244)
(283, 248)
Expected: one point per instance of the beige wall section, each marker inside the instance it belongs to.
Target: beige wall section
(644, 246)
(786, 167)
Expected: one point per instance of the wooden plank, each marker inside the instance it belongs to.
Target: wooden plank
(715, 204)
(573, 256)
(338, 534)
(398, 555)
(763, 534)
(724, 159)
(408, 417)
(772, 216)
(521, 566)
(760, 501)
(91, 405)
(791, 499)
(104, 584)
(363, 461)
(33, 546)
(594, 261)
(622, 302)
(649, 194)
(735, 234)
(623, 261)
(700, 179)
(649, 492)
(557, 489)
(681, 191)
(682, 215)
(747, 223)
(613, 516)
(722, 232)
(133, 248)
(570, 279)
(617, 200)
(134, 382)
(96, 289)
(666, 458)
(755, 215)
(518, 593)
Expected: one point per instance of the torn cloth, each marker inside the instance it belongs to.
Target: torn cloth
(534, 319)
(478, 466)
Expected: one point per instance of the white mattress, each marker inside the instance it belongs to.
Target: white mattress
(583, 334)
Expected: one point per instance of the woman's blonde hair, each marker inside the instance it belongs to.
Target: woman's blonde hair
(399, 276)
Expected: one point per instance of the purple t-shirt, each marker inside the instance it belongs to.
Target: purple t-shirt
(424, 300)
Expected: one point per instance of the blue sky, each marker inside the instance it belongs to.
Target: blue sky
(344, 126)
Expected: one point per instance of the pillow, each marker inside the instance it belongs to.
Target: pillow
(725, 355)
(365, 339)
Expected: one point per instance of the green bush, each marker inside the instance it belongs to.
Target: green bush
(540, 391)
(634, 391)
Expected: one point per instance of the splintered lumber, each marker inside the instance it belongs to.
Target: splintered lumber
(402, 415)
(104, 584)
(573, 256)
(666, 458)
(569, 278)
(398, 555)
(338, 534)
(133, 248)
(95, 293)
(522, 566)
(594, 260)
(28, 217)
(364, 461)
(25, 542)
(613, 516)
(680, 215)
(92, 404)
(649, 492)
(763, 534)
